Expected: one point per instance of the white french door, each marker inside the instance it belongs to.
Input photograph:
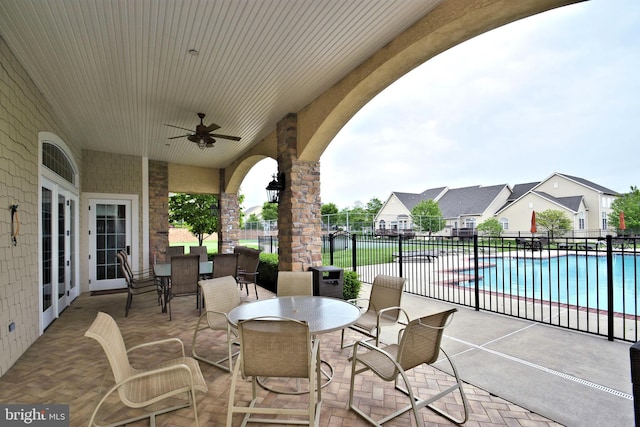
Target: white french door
(59, 257)
(110, 230)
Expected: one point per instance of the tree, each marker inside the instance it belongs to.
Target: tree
(628, 203)
(195, 211)
(427, 216)
(373, 206)
(554, 221)
(490, 227)
(270, 211)
(328, 212)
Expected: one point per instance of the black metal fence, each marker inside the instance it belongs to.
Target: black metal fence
(586, 284)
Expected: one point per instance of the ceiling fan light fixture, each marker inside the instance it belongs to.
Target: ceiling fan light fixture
(202, 135)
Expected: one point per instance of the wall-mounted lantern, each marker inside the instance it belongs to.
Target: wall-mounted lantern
(275, 187)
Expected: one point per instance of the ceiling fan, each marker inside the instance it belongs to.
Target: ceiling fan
(202, 134)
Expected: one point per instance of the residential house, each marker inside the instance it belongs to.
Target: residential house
(586, 203)
(462, 208)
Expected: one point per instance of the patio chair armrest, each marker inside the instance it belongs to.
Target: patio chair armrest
(159, 342)
(355, 302)
(152, 372)
(400, 309)
(371, 347)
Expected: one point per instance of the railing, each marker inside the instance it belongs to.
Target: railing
(586, 284)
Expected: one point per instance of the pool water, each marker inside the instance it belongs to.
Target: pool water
(576, 280)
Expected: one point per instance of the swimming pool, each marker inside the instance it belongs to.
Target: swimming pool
(579, 280)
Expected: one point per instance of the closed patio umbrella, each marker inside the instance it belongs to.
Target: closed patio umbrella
(534, 229)
(622, 225)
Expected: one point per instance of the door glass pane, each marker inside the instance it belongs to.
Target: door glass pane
(110, 237)
(72, 243)
(61, 246)
(47, 226)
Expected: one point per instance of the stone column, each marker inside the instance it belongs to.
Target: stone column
(299, 213)
(228, 218)
(158, 210)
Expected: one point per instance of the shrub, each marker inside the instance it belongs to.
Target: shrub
(352, 285)
(268, 271)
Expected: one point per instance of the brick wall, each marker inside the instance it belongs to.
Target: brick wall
(158, 210)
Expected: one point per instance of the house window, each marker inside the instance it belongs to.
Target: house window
(504, 222)
(56, 160)
(605, 224)
(470, 223)
(382, 224)
(581, 221)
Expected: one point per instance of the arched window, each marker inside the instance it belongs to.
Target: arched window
(57, 162)
(504, 222)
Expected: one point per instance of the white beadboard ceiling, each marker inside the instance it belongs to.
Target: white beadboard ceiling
(115, 71)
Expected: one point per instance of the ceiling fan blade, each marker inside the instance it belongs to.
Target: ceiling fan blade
(212, 127)
(233, 138)
(179, 136)
(178, 127)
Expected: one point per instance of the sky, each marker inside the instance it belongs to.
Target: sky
(556, 92)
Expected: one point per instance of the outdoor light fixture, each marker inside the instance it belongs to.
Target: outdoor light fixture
(214, 208)
(275, 187)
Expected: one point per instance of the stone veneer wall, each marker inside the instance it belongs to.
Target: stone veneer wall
(299, 211)
(228, 223)
(158, 210)
(23, 114)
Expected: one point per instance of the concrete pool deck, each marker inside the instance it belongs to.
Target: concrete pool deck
(573, 378)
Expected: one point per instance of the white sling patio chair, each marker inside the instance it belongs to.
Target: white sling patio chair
(419, 344)
(276, 347)
(294, 283)
(383, 307)
(140, 388)
(220, 297)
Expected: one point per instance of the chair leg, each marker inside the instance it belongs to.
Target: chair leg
(417, 403)
(128, 304)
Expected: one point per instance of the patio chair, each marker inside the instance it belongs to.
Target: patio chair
(383, 307)
(220, 297)
(139, 388)
(419, 344)
(185, 274)
(136, 284)
(248, 261)
(201, 251)
(173, 251)
(276, 347)
(294, 283)
(225, 265)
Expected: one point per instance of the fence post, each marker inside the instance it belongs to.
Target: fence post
(400, 272)
(476, 272)
(609, 287)
(331, 248)
(354, 251)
